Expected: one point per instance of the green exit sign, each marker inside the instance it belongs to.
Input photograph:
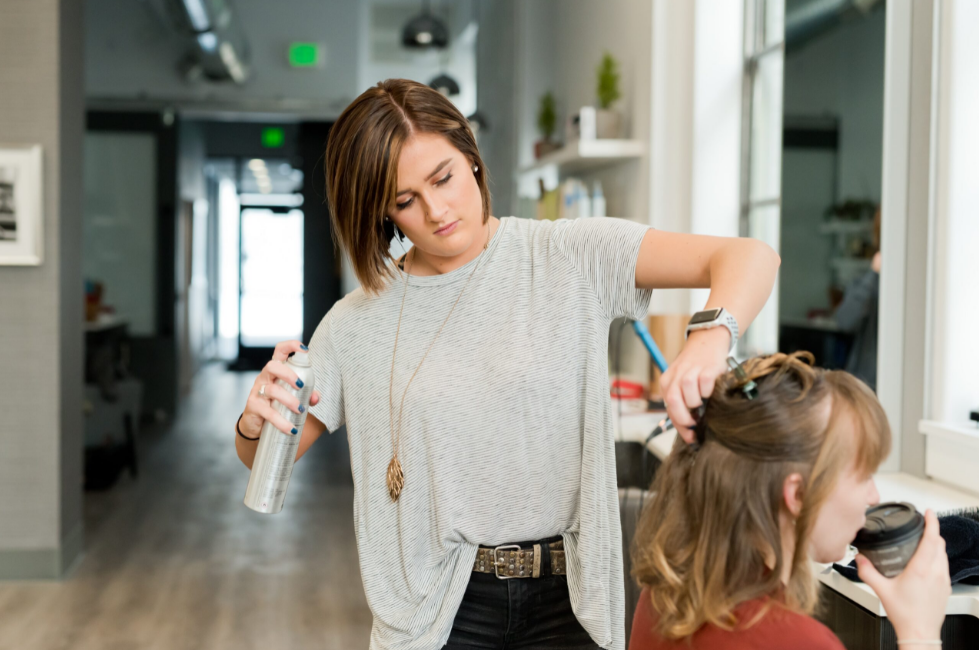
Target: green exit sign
(273, 137)
(305, 55)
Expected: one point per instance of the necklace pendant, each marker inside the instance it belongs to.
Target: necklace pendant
(396, 479)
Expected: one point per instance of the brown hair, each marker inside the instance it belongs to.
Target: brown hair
(703, 541)
(362, 155)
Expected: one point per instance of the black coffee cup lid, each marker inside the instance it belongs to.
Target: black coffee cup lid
(887, 522)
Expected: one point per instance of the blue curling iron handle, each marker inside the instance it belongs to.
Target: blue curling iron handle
(650, 344)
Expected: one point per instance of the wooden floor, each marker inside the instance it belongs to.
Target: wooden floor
(175, 561)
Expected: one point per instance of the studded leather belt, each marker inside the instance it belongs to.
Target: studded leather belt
(522, 561)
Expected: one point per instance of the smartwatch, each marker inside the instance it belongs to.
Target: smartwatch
(710, 318)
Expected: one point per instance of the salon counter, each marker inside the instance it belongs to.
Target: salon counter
(964, 600)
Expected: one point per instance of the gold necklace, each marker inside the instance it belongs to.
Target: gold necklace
(395, 473)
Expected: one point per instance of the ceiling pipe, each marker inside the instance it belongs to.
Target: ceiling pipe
(220, 49)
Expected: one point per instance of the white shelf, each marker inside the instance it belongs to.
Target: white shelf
(842, 227)
(587, 154)
(964, 433)
(953, 452)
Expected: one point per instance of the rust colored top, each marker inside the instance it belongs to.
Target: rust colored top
(778, 629)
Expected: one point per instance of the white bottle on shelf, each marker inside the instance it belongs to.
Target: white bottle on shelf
(567, 200)
(597, 201)
(574, 199)
(584, 201)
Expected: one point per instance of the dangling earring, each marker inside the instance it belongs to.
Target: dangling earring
(391, 230)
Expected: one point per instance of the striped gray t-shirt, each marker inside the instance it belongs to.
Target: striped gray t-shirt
(507, 429)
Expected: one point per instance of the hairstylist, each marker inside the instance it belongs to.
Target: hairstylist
(472, 376)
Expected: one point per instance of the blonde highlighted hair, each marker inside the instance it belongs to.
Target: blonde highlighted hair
(711, 539)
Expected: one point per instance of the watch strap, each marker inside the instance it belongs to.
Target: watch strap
(723, 319)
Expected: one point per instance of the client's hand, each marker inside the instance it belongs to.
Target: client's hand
(915, 600)
(690, 378)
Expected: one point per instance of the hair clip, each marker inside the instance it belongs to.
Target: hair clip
(750, 388)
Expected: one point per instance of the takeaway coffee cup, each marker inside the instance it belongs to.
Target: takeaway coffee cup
(890, 536)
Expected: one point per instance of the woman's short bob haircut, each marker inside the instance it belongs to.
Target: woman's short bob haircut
(362, 155)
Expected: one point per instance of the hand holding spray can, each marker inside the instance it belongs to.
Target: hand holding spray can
(276, 452)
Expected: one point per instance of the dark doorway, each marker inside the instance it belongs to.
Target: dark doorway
(135, 253)
(323, 263)
(288, 269)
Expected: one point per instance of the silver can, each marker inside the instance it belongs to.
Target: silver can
(276, 453)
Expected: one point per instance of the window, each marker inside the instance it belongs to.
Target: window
(761, 145)
(952, 381)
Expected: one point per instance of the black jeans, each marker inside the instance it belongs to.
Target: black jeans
(518, 613)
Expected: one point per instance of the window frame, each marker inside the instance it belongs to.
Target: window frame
(762, 337)
(951, 453)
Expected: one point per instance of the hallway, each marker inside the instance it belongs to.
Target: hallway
(174, 560)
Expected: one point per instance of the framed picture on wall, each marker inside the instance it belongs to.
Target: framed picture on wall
(21, 205)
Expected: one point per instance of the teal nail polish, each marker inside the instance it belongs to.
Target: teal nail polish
(299, 383)
(303, 347)
(302, 409)
(294, 431)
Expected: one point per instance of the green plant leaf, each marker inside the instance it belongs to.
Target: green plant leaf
(547, 116)
(608, 81)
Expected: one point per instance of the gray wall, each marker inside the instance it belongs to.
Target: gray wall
(41, 314)
(495, 54)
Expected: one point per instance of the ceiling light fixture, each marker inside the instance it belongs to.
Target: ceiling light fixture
(445, 85)
(208, 41)
(425, 31)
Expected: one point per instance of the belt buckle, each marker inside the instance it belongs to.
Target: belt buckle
(496, 562)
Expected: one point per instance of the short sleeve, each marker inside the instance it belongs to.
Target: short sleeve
(605, 250)
(326, 370)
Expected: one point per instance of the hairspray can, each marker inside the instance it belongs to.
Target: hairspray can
(276, 453)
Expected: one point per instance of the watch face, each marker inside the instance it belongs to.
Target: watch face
(705, 316)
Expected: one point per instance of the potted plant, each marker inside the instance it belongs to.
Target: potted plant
(546, 123)
(608, 122)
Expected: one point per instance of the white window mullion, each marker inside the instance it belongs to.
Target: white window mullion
(762, 151)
